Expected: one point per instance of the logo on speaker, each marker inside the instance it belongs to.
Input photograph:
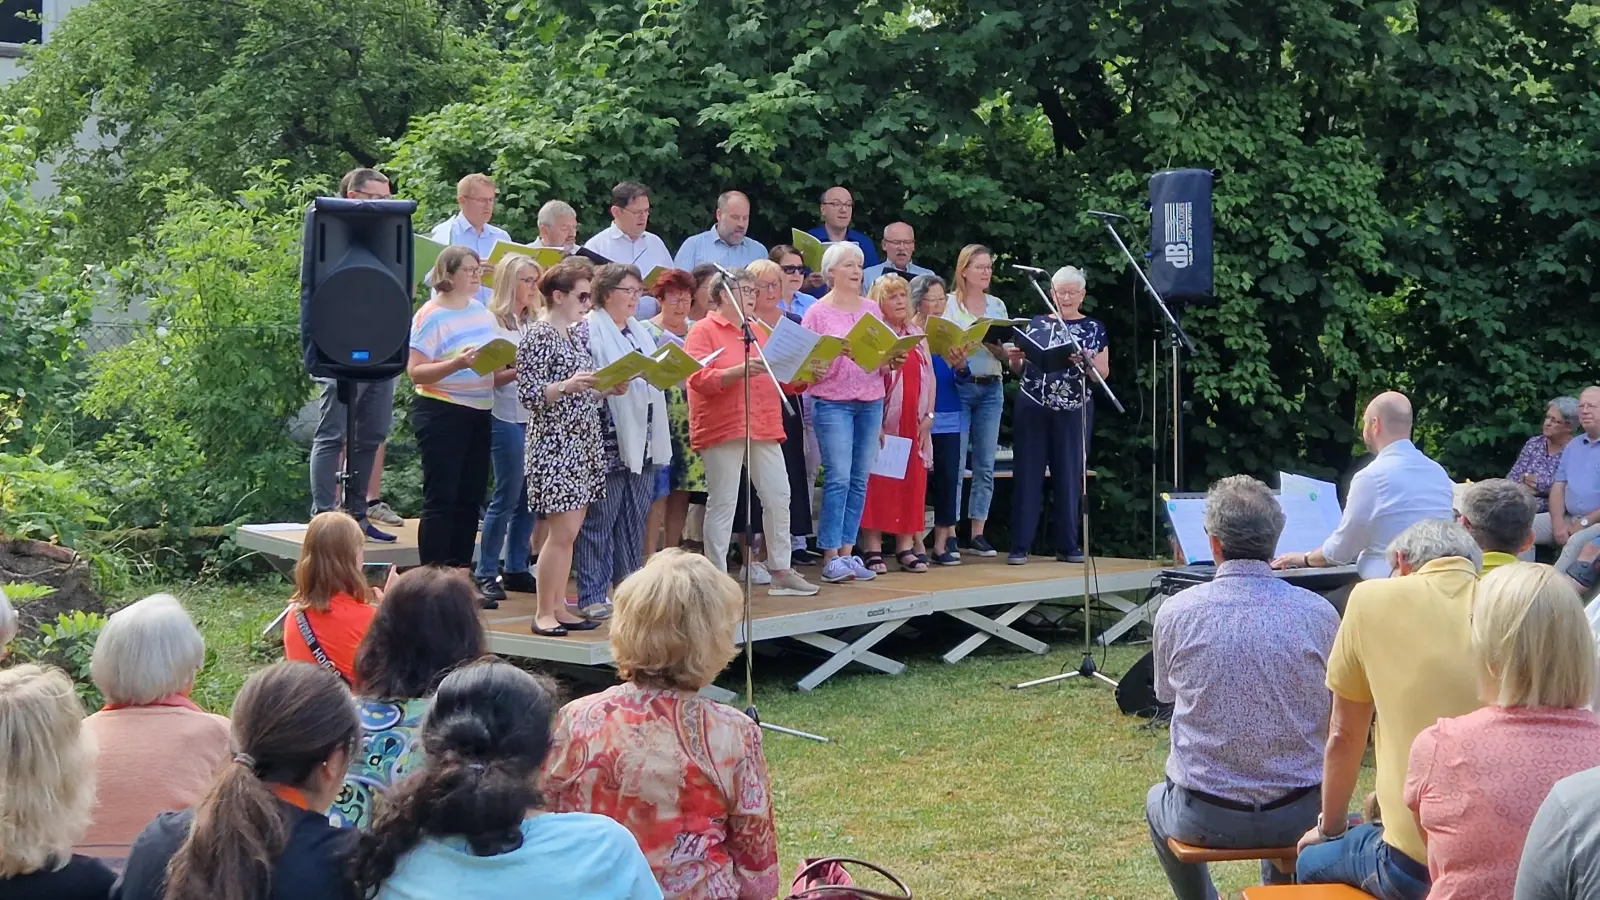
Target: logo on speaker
(1178, 219)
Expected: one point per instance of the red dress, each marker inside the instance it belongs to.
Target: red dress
(899, 505)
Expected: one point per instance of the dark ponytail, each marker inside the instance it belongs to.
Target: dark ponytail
(485, 737)
(287, 720)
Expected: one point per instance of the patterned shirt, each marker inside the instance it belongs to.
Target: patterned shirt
(391, 749)
(685, 775)
(1537, 460)
(1064, 390)
(439, 334)
(1243, 659)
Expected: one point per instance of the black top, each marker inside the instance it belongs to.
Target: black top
(84, 878)
(313, 866)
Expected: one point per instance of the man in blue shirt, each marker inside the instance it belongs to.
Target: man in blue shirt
(475, 196)
(838, 207)
(725, 244)
(899, 242)
(1575, 495)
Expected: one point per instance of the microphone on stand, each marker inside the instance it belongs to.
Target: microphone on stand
(1106, 215)
(1035, 270)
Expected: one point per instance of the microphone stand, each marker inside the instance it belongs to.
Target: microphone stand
(1086, 667)
(749, 340)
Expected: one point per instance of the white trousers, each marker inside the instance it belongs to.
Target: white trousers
(770, 479)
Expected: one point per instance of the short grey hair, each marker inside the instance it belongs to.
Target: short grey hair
(920, 286)
(8, 623)
(554, 211)
(1498, 514)
(1567, 408)
(1068, 275)
(147, 651)
(1244, 517)
(1433, 539)
(836, 255)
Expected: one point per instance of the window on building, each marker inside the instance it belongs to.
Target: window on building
(19, 21)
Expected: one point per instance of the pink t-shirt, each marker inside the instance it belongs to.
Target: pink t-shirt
(1476, 781)
(844, 380)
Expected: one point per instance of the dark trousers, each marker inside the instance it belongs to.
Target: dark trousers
(1043, 438)
(945, 488)
(453, 441)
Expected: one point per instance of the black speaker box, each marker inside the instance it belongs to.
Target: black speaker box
(355, 288)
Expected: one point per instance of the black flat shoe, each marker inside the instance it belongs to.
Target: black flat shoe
(519, 582)
(585, 625)
(558, 631)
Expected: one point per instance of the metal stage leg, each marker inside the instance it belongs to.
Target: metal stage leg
(849, 653)
(1133, 615)
(865, 657)
(998, 627)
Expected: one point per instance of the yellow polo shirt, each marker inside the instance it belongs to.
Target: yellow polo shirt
(1494, 559)
(1405, 647)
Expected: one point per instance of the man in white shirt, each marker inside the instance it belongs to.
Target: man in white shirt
(1398, 489)
(727, 243)
(475, 196)
(899, 242)
(628, 241)
(558, 227)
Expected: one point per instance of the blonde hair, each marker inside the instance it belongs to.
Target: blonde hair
(963, 260)
(886, 285)
(147, 651)
(46, 770)
(674, 622)
(507, 279)
(765, 267)
(476, 179)
(330, 561)
(1533, 639)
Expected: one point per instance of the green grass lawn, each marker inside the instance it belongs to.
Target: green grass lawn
(964, 788)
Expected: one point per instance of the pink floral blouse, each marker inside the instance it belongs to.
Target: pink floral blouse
(684, 774)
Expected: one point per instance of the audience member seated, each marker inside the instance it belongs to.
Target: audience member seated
(1561, 858)
(1400, 488)
(1243, 659)
(1540, 457)
(1475, 782)
(472, 825)
(1498, 513)
(8, 625)
(262, 832)
(696, 794)
(158, 750)
(1575, 493)
(428, 625)
(1403, 653)
(46, 790)
(330, 611)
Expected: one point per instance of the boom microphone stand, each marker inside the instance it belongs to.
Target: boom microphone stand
(749, 338)
(1086, 668)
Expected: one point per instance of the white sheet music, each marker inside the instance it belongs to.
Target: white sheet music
(893, 457)
(788, 347)
(1187, 516)
(1310, 511)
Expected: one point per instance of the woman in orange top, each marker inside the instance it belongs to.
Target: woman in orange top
(716, 430)
(331, 606)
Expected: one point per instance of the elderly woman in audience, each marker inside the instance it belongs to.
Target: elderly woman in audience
(565, 459)
(1476, 781)
(1537, 463)
(982, 398)
(698, 801)
(928, 299)
(427, 626)
(8, 624)
(332, 605)
(898, 506)
(262, 831)
(847, 403)
(472, 824)
(686, 476)
(508, 523)
(158, 750)
(46, 789)
(636, 434)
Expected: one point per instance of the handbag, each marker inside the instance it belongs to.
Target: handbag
(826, 878)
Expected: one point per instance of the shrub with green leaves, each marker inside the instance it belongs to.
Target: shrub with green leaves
(68, 644)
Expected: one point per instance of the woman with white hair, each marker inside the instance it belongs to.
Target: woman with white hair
(847, 405)
(1052, 420)
(158, 750)
(46, 789)
(1475, 782)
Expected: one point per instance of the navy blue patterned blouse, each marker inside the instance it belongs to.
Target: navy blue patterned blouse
(1065, 390)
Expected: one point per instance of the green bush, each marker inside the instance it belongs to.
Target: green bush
(68, 644)
(44, 501)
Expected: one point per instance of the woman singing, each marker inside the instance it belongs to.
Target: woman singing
(898, 506)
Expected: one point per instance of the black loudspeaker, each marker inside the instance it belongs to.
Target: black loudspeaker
(1180, 234)
(1136, 691)
(355, 288)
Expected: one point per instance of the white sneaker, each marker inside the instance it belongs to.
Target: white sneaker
(859, 568)
(836, 570)
(789, 584)
(758, 574)
(381, 513)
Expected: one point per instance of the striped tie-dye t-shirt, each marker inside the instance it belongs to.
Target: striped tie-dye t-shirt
(439, 334)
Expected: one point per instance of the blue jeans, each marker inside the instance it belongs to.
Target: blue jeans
(983, 404)
(847, 435)
(1361, 859)
(509, 521)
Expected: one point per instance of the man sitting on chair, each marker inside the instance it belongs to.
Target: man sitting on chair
(1243, 659)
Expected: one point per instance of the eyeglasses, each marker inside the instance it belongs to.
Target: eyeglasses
(628, 291)
(839, 204)
(980, 268)
(369, 195)
(528, 281)
(767, 288)
(908, 242)
(747, 290)
(489, 200)
(470, 271)
(796, 270)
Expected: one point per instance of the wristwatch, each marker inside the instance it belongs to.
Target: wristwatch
(1326, 836)
(561, 388)
(1584, 522)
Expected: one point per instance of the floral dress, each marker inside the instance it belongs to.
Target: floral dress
(688, 471)
(565, 459)
(391, 749)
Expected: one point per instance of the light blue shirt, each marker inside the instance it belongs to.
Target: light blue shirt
(1398, 489)
(980, 361)
(648, 252)
(798, 304)
(708, 246)
(1580, 470)
(564, 856)
(457, 231)
(873, 273)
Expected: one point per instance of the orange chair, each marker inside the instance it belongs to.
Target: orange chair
(1282, 857)
(1305, 892)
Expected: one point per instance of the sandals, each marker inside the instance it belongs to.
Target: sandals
(874, 561)
(917, 565)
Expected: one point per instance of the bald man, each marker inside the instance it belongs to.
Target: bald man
(728, 243)
(1398, 489)
(899, 242)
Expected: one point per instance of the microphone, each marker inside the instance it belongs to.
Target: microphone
(1023, 268)
(1106, 215)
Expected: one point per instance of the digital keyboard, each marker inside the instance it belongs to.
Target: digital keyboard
(1321, 580)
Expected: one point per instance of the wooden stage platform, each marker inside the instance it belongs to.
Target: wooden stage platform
(845, 621)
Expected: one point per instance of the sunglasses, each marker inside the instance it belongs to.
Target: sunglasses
(583, 296)
(796, 270)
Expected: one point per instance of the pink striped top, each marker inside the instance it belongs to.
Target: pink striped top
(844, 381)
